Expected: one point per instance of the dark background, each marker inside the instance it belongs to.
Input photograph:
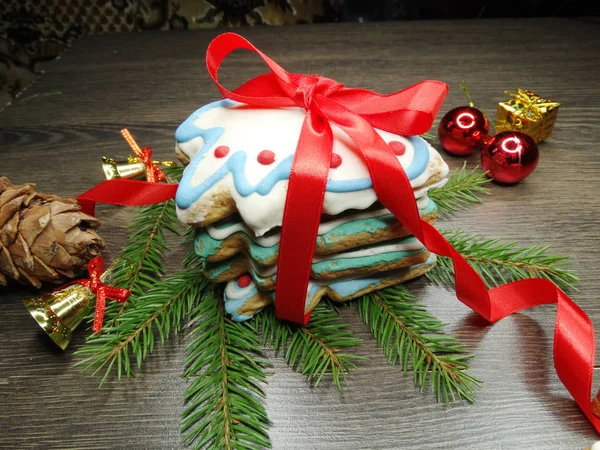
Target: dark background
(33, 32)
(352, 10)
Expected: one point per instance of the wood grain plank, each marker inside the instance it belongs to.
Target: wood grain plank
(150, 82)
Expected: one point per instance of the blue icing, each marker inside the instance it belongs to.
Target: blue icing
(344, 288)
(235, 164)
(207, 246)
(350, 287)
(333, 265)
(215, 270)
(342, 264)
(233, 306)
(188, 131)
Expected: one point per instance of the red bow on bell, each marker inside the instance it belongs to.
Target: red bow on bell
(153, 173)
(102, 291)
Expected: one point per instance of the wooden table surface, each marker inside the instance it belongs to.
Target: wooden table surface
(151, 82)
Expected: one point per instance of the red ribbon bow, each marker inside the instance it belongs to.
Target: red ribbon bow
(102, 291)
(153, 173)
(356, 111)
(408, 112)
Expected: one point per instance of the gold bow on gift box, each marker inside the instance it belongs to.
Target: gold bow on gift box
(528, 113)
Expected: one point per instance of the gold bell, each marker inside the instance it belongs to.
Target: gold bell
(133, 167)
(60, 312)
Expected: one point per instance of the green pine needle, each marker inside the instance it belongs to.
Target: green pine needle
(463, 189)
(140, 262)
(411, 337)
(224, 401)
(499, 263)
(157, 313)
(315, 350)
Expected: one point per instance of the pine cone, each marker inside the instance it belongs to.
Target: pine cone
(43, 237)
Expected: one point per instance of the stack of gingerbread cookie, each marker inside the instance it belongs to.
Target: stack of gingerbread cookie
(234, 188)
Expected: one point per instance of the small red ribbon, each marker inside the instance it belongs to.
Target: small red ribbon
(153, 173)
(126, 192)
(102, 291)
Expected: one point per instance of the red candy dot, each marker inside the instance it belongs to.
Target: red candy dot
(244, 281)
(266, 157)
(221, 151)
(336, 160)
(397, 147)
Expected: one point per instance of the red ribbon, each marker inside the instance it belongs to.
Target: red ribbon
(408, 112)
(153, 173)
(125, 192)
(102, 291)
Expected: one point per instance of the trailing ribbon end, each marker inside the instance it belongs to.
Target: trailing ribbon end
(408, 112)
(124, 192)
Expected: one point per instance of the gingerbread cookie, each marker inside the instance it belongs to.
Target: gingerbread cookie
(234, 190)
(241, 158)
(360, 262)
(243, 298)
(230, 236)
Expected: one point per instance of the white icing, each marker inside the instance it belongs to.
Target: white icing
(423, 201)
(232, 290)
(255, 129)
(267, 271)
(220, 234)
(422, 193)
(371, 251)
(190, 148)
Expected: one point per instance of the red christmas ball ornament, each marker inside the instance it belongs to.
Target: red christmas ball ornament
(509, 156)
(463, 130)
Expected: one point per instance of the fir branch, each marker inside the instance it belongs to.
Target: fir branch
(224, 408)
(140, 262)
(173, 173)
(141, 258)
(159, 311)
(316, 349)
(463, 189)
(410, 336)
(499, 263)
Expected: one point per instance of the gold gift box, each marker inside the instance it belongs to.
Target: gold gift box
(528, 113)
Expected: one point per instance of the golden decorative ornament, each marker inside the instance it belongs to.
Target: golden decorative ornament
(60, 312)
(528, 113)
(132, 168)
(135, 166)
